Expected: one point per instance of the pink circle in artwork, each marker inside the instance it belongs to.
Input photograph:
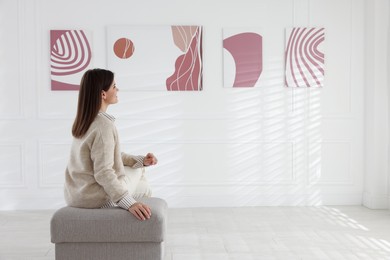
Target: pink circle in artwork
(123, 48)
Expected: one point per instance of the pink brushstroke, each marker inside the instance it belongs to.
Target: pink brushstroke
(310, 55)
(246, 49)
(298, 56)
(288, 57)
(188, 67)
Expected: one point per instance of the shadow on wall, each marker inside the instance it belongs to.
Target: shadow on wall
(277, 157)
(269, 153)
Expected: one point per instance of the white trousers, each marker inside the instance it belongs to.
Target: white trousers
(137, 183)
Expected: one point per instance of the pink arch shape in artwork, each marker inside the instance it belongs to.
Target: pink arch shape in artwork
(247, 52)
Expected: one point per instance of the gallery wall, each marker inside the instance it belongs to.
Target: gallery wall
(268, 145)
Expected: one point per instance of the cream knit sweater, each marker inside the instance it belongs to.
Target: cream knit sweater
(95, 171)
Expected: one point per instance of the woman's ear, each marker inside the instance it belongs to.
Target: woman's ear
(103, 94)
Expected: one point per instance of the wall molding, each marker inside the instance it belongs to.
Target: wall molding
(20, 57)
(290, 177)
(21, 147)
(349, 181)
(42, 174)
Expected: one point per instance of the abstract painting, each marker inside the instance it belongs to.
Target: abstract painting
(304, 57)
(162, 58)
(243, 57)
(70, 57)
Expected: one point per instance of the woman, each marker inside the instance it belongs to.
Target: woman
(97, 175)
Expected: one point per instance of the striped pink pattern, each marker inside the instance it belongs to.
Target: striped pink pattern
(70, 56)
(70, 52)
(304, 60)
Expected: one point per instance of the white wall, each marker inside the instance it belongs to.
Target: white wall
(376, 181)
(219, 147)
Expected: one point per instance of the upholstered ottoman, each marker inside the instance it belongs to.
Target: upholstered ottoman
(109, 234)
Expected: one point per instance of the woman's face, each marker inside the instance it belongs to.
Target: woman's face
(110, 96)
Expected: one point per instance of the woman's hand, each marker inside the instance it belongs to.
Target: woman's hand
(140, 211)
(150, 159)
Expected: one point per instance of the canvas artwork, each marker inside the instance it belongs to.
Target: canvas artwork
(70, 57)
(242, 57)
(304, 57)
(160, 58)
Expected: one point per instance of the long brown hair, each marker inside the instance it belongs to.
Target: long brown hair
(90, 98)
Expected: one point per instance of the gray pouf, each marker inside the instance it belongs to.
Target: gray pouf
(112, 233)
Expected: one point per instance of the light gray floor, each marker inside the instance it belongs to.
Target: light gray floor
(285, 233)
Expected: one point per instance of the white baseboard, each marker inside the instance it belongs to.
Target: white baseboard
(376, 201)
(226, 200)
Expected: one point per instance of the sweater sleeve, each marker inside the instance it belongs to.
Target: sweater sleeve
(102, 155)
(133, 161)
(126, 202)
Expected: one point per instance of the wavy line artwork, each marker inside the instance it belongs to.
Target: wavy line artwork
(247, 51)
(70, 56)
(188, 67)
(304, 57)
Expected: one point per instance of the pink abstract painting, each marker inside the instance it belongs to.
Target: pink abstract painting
(165, 58)
(243, 57)
(304, 57)
(188, 66)
(70, 57)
